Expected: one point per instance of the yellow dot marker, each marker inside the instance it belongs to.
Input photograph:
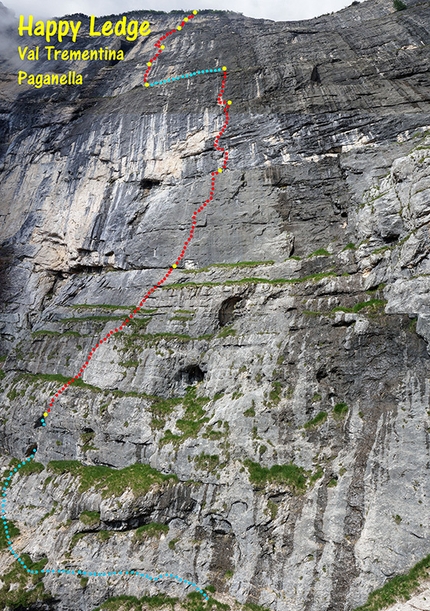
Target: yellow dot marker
(224, 68)
(146, 84)
(45, 414)
(229, 102)
(162, 47)
(185, 19)
(179, 27)
(174, 266)
(219, 170)
(195, 12)
(149, 63)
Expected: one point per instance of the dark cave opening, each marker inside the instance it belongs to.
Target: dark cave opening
(226, 311)
(192, 374)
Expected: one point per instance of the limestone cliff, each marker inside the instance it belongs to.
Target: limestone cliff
(278, 384)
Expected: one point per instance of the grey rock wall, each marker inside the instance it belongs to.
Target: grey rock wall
(315, 354)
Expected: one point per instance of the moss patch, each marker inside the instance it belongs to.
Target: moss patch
(321, 252)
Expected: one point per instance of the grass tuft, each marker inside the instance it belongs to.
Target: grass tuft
(319, 419)
(147, 531)
(90, 518)
(291, 475)
(13, 532)
(321, 252)
(340, 410)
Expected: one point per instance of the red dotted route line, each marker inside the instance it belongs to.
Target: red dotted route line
(225, 105)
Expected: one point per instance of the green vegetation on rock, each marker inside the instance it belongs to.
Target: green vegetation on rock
(21, 590)
(275, 392)
(27, 469)
(319, 419)
(206, 462)
(276, 281)
(401, 587)
(90, 518)
(193, 420)
(193, 602)
(373, 305)
(290, 475)
(321, 252)
(340, 410)
(147, 531)
(112, 482)
(161, 409)
(13, 532)
(228, 265)
(227, 331)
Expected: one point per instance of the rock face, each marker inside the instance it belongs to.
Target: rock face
(282, 372)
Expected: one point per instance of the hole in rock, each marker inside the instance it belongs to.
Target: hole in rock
(192, 374)
(227, 309)
(148, 183)
(391, 237)
(315, 77)
(321, 373)
(30, 449)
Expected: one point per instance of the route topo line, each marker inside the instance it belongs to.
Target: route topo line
(42, 420)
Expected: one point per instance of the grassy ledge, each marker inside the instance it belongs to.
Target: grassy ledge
(228, 265)
(112, 482)
(193, 602)
(373, 305)
(401, 587)
(276, 281)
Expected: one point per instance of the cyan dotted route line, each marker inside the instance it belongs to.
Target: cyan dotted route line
(187, 75)
(79, 572)
(42, 420)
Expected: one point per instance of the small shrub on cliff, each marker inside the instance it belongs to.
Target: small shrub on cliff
(399, 5)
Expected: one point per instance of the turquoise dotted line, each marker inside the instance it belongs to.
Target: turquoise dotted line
(187, 75)
(17, 557)
(43, 423)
